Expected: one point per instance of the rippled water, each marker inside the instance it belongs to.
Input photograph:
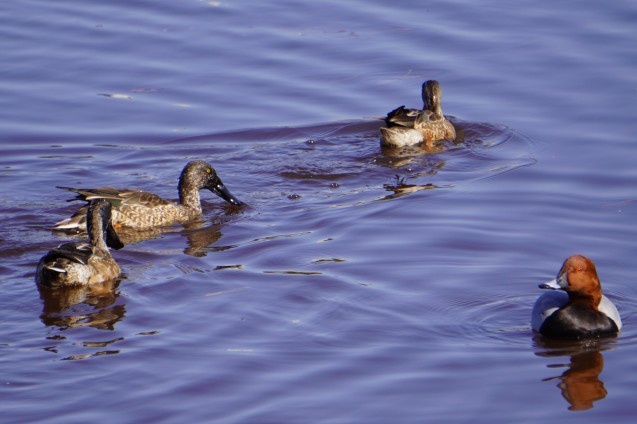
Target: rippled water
(356, 285)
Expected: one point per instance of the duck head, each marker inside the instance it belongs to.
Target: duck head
(578, 278)
(201, 174)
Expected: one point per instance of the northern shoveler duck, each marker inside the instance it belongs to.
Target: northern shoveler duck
(141, 210)
(577, 309)
(408, 127)
(84, 264)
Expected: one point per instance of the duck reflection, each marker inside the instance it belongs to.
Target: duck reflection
(201, 234)
(579, 383)
(82, 306)
(416, 164)
(408, 156)
(409, 152)
(200, 237)
(401, 188)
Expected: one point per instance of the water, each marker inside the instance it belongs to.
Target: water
(355, 286)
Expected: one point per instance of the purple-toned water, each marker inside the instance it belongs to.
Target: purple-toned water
(355, 286)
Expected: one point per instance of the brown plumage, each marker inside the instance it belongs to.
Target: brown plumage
(83, 264)
(138, 209)
(407, 127)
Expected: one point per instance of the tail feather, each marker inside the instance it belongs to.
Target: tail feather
(79, 196)
(55, 269)
(76, 222)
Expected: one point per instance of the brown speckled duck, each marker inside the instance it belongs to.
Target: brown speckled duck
(83, 264)
(408, 127)
(140, 210)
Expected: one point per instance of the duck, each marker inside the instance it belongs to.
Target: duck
(408, 127)
(84, 264)
(135, 209)
(576, 307)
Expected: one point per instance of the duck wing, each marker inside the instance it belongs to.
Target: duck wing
(118, 197)
(74, 252)
(402, 117)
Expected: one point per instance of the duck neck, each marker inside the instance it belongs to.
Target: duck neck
(588, 300)
(189, 195)
(96, 229)
(434, 105)
(431, 96)
(437, 109)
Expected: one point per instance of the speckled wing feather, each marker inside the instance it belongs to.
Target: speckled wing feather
(118, 196)
(141, 198)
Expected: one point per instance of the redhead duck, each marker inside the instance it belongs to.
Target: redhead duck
(579, 310)
(408, 127)
(141, 210)
(83, 264)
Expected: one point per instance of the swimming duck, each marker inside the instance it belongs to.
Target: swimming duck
(407, 127)
(139, 210)
(84, 264)
(579, 310)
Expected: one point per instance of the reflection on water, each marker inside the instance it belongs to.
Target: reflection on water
(579, 384)
(401, 188)
(200, 237)
(417, 150)
(94, 306)
(409, 156)
(199, 233)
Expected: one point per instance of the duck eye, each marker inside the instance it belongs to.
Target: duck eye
(209, 171)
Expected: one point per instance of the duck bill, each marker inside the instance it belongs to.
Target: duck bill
(551, 285)
(218, 188)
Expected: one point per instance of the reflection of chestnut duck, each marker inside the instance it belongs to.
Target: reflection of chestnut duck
(138, 209)
(580, 384)
(82, 264)
(579, 310)
(408, 127)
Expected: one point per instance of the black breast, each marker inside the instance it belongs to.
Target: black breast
(578, 322)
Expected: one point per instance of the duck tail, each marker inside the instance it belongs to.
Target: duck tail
(76, 222)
